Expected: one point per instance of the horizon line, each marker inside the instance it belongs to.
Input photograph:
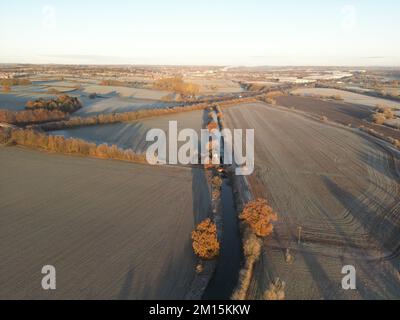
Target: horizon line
(204, 65)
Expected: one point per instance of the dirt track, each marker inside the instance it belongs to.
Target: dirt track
(341, 188)
(113, 230)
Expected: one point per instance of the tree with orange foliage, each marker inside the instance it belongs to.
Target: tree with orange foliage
(259, 215)
(205, 242)
(31, 116)
(62, 103)
(212, 126)
(177, 85)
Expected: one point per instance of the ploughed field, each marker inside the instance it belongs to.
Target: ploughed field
(111, 229)
(341, 112)
(341, 187)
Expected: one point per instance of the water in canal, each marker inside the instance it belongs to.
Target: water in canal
(226, 274)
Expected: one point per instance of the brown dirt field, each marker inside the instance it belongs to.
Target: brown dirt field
(113, 230)
(341, 187)
(344, 113)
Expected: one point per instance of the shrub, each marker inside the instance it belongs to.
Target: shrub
(5, 135)
(270, 101)
(212, 126)
(288, 256)
(216, 194)
(394, 142)
(6, 88)
(324, 118)
(337, 97)
(378, 118)
(389, 114)
(270, 97)
(276, 291)
(199, 268)
(205, 242)
(385, 111)
(274, 94)
(252, 250)
(216, 181)
(258, 215)
(209, 166)
(251, 246)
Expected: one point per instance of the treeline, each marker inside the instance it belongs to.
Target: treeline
(117, 117)
(177, 85)
(59, 144)
(256, 224)
(62, 103)
(15, 82)
(113, 83)
(234, 102)
(254, 87)
(35, 116)
(271, 96)
(118, 83)
(133, 115)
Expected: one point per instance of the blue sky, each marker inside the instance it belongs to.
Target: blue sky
(251, 32)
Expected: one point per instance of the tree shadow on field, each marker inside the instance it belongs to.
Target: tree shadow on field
(169, 279)
(126, 288)
(201, 195)
(372, 159)
(357, 112)
(381, 232)
(201, 191)
(381, 225)
(327, 287)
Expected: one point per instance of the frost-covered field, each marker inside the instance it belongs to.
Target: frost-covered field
(17, 99)
(112, 230)
(349, 97)
(125, 92)
(341, 188)
(216, 86)
(110, 98)
(133, 134)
